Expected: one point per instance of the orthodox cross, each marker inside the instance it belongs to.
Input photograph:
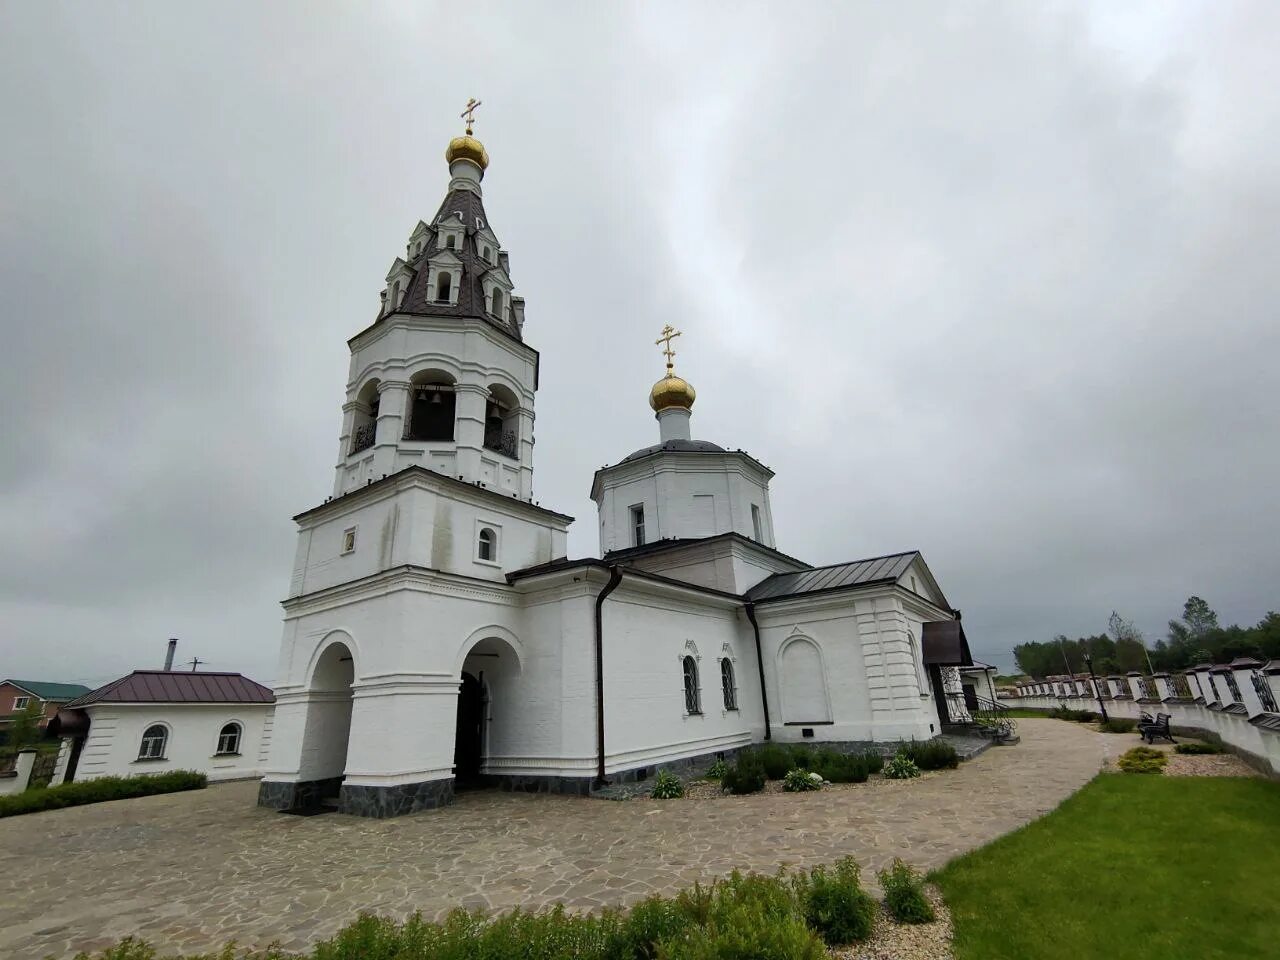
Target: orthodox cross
(195, 662)
(669, 333)
(467, 114)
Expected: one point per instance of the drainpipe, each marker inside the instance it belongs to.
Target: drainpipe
(615, 578)
(764, 696)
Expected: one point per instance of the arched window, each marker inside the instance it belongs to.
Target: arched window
(487, 548)
(395, 295)
(730, 688)
(451, 241)
(364, 428)
(433, 408)
(443, 284)
(484, 254)
(502, 422)
(154, 740)
(692, 701)
(229, 739)
(497, 302)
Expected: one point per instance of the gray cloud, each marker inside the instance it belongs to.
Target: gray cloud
(991, 281)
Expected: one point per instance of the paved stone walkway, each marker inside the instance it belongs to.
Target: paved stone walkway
(191, 871)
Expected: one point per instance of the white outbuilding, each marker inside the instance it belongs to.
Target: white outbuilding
(436, 636)
(152, 721)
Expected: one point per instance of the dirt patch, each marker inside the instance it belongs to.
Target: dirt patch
(905, 941)
(1208, 765)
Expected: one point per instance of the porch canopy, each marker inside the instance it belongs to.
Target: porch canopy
(943, 643)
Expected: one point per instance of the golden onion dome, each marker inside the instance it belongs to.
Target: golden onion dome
(672, 391)
(467, 147)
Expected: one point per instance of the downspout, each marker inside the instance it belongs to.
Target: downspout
(615, 578)
(764, 695)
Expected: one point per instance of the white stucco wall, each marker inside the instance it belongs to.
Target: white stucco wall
(115, 735)
(684, 495)
(422, 520)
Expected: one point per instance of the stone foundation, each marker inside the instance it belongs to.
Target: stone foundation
(296, 795)
(361, 800)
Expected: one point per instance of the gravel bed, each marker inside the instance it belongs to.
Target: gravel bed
(1208, 765)
(710, 789)
(905, 941)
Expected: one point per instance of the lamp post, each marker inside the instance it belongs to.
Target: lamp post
(1102, 707)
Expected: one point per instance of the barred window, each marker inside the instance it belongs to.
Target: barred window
(727, 682)
(692, 701)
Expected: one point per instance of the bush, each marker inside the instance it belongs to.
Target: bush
(839, 768)
(931, 754)
(802, 757)
(96, 791)
(835, 905)
(1119, 725)
(775, 760)
(801, 781)
(874, 760)
(901, 768)
(717, 770)
(666, 786)
(1063, 712)
(1142, 760)
(1197, 748)
(745, 776)
(904, 894)
(742, 917)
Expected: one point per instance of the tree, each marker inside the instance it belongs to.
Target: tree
(24, 728)
(1131, 650)
(1198, 617)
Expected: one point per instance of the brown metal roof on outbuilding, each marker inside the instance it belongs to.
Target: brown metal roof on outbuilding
(164, 686)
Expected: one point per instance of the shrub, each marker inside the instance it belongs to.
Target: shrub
(901, 768)
(874, 760)
(801, 781)
(1118, 725)
(931, 754)
(843, 769)
(717, 770)
(904, 894)
(666, 786)
(835, 905)
(1197, 748)
(1142, 760)
(648, 923)
(1063, 712)
(775, 759)
(745, 776)
(94, 791)
(802, 757)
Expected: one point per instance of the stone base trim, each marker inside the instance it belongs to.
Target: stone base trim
(296, 794)
(396, 800)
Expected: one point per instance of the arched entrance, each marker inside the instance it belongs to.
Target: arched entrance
(328, 729)
(468, 751)
(488, 695)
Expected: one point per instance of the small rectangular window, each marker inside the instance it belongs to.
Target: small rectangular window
(637, 525)
(20, 703)
(756, 524)
(349, 540)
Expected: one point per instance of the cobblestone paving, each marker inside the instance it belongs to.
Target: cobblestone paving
(191, 871)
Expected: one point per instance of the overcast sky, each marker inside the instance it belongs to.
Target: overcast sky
(994, 281)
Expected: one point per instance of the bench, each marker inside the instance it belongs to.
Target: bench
(1150, 729)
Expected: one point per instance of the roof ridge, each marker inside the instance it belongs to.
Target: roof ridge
(845, 563)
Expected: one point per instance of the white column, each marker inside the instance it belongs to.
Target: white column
(1242, 669)
(1272, 674)
(344, 445)
(1135, 688)
(673, 423)
(402, 730)
(469, 429)
(393, 408)
(1163, 690)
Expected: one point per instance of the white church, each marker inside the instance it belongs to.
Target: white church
(437, 637)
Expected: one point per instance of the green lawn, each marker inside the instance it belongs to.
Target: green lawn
(1133, 866)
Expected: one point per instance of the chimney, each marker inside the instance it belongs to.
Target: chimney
(168, 657)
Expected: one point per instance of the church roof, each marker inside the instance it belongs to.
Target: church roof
(679, 446)
(859, 573)
(676, 543)
(172, 686)
(417, 299)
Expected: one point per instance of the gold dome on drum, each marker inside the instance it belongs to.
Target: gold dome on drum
(672, 391)
(467, 147)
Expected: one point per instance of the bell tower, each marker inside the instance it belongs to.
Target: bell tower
(443, 378)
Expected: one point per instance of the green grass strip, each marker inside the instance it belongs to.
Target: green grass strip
(1131, 866)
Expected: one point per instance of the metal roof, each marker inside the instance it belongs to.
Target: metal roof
(858, 573)
(50, 691)
(677, 446)
(164, 686)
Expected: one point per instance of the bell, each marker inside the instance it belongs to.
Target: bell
(435, 398)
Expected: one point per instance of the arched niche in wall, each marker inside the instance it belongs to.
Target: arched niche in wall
(803, 679)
